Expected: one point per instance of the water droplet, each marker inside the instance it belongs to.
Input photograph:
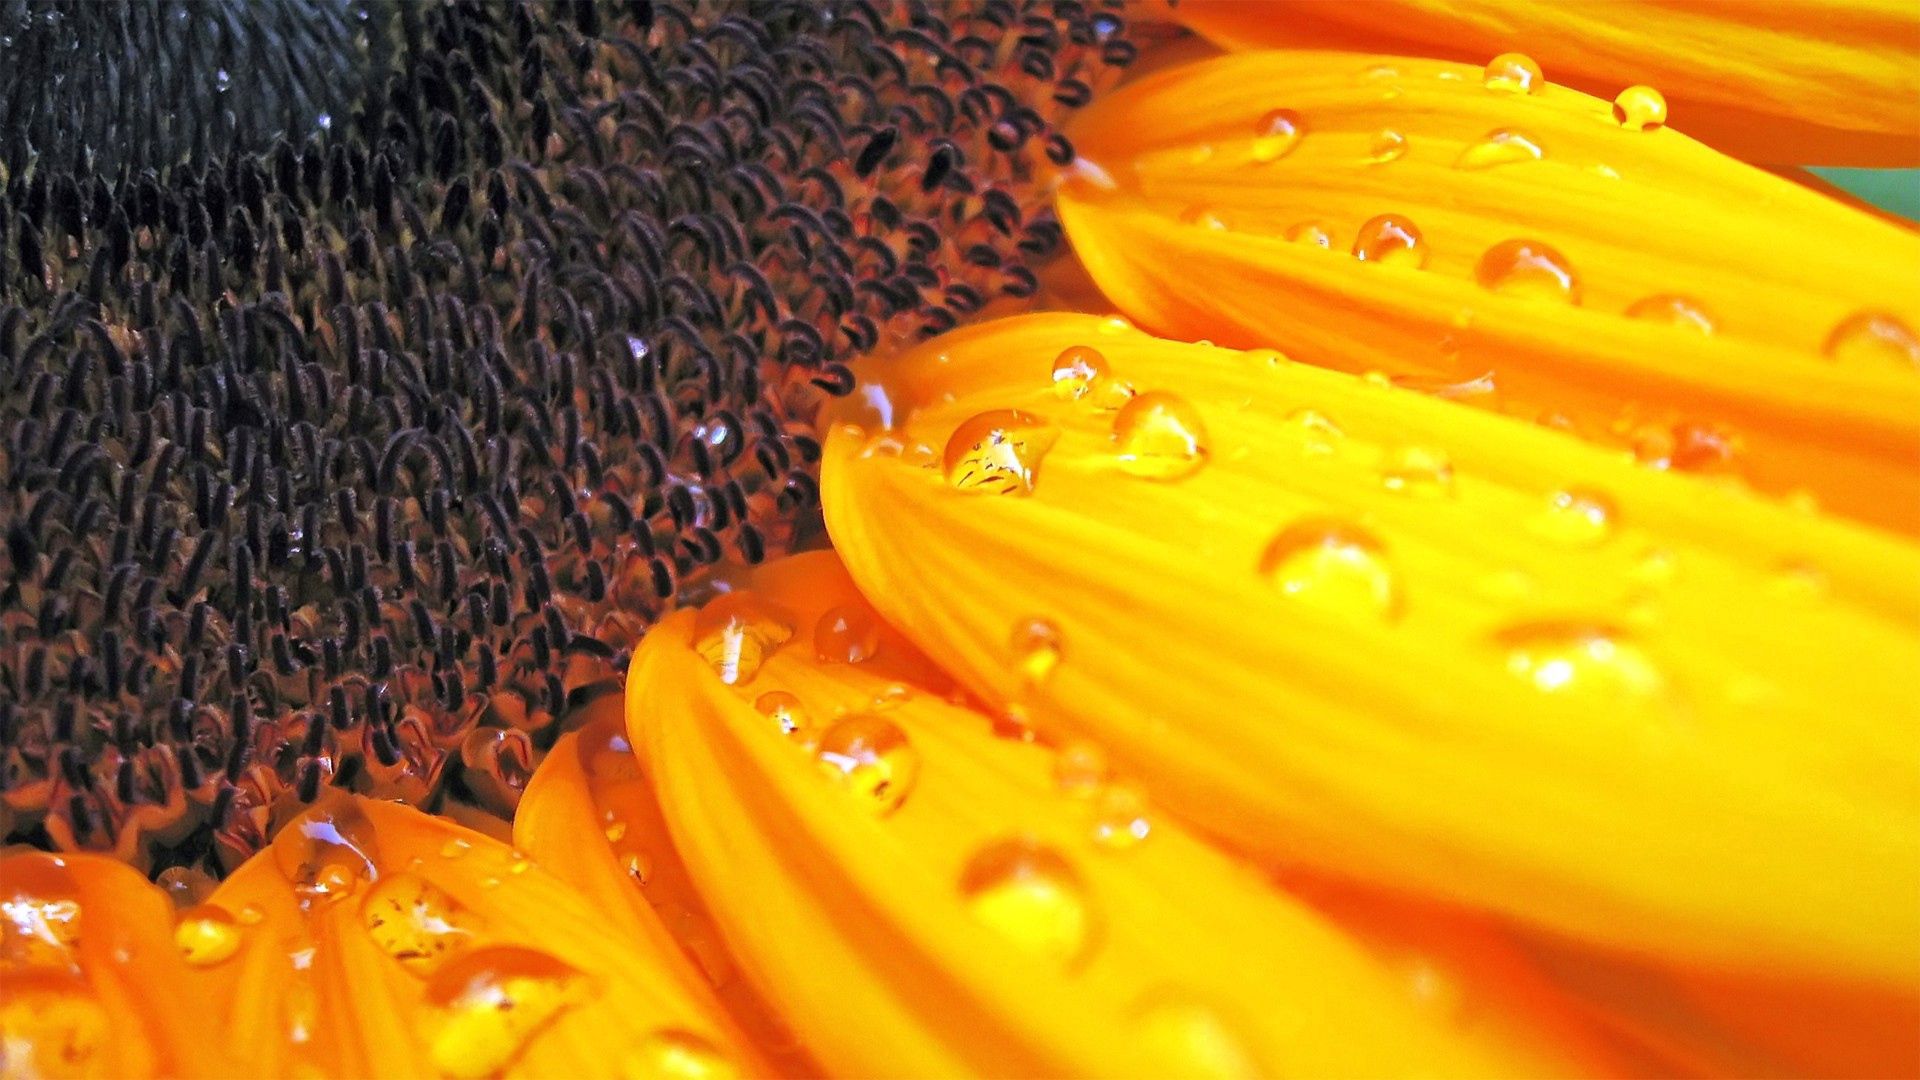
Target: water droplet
(1392, 240)
(186, 885)
(1159, 435)
(736, 632)
(490, 1002)
(54, 1026)
(416, 922)
(1035, 644)
(39, 913)
(1595, 662)
(1188, 1039)
(1120, 817)
(1314, 233)
(1203, 216)
(673, 1054)
(329, 851)
(846, 634)
(454, 848)
(998, 452)
(1422, 471)
(1515, 73)
(1076, 370)
(1276, 134)
(206, 934)
(1672, 310)
(1032, 896)
(1577, 516)
(1528, 269)
(1502, 146)
(1640, 108)
(221, 81)
(1080, 769)
(1333, 566)
(785, 711)
(1873, 337)
(1319, 436)
(1388, 145)
(871, 758)
(252, 915)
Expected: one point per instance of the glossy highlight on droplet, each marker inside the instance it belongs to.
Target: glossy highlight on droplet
(416, 922)
(1640, 108)
(1513, 73)
(736, 632)
(1036, 648)
(1160, 436)
(847, 634)
(674, 1054)
(1076, 371)
(1528, 269)
(1423, 472)
(1502, 146)
(491, 1002)
(998, 452)
(206, 934)
(1392, 240)
(785, 710)
(1672, 309)
(1577, 517)
(871, 758)
(1873, 337)
(1388, 145)
(1311, 233)
(1275, 135)
(1333, 566)
(1032, 896)
(1590, 661)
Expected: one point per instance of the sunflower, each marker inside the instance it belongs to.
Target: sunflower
(1424, 583)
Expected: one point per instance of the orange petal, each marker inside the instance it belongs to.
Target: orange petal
(1414, 642)
(1745, 350)
(377, 940)
(1825, 84)
(91, 982)
(982, 905)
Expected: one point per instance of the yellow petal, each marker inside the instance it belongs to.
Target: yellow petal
(1810, 84)
(920, 897)
(377, 940)
(1526, 268)
(1423, 644)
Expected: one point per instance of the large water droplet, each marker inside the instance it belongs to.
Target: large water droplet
(206, 934)
(490, 1002)
(328, 852)
(1387, 145)
(1594, 662)
(1673, 310)
(1640, 108)
(673, 1054)
(1032, 896)
(53, 1025)
(1333, 566)
(1390, 239)
(1576, 516)
(1528, 269)
(1187, 1039)
(1076, 371)
(1035, 644)
(1421, 471)
(847, 634)
(416, 922)
(870, 757)
(1276, 134)
(736, 632)
(1874, 337)
(1515, 73)
(1159, 435)
(1503, 146)
(998, 452)
(786, 712)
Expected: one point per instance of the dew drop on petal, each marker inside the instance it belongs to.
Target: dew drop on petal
(673, 1054)
(1421, 471)
(1514, 73)
(1390, 239)
(53, 1025)
(1076, 371)
(1275, 135)
(1873, 337)
(1185, 1038)
(998, 452)
(206, 934)
(1387, 145)
(1333, 566)
(1529, 269)
(1576, 516)
(490, 1002)
(328, 852)
(1120, 817)
(784, 709)
(847, 634)
(1080, 769)
(1672, 309)
(1032, 896)
(1640, 108)
(871, 758)
(416, 922)
(1319, 435)
(1314, 233)
(1593, 662)
(186, 885)
(40, 916)
(1035, 644)
(736, 632)
(1159, 435)
(1502, 146)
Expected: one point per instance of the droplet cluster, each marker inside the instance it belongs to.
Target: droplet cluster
(319, 454)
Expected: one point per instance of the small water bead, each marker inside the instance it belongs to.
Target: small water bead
(40, 916)
(1160, 436)
(252, 915)
(1421, 471)
(1032, 896)
(1388, 145)
(455, 848)
(206, 934)
(1528, 269)
(735, 634)
(53, 1025)
(786, 712)
(1514, 73)
(847, 634)
(416, 922)
(1313, 233)
(998, 452)
(491, 1002)
(1640, 108)
(1275, 135)
(1576, 516)
(1188, 1039)
(1076, 370)
(1035, 645)
(1319, 435)
(1333, 566)
(1595, 662)
(1873, 337)
(186, 885)
(674, 1054)
(1673, 310)
(871, 758)
(1120, 817)
(329, 851)
(1080, 769)
(1391, 240)
(1502, 146)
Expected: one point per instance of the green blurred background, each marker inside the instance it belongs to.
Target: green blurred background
(1897, 190)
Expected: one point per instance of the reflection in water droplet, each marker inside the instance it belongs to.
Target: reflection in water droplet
(1159, 435)
(329, 851)
(847, 634)
(1333, 566)
(998, 452)
(416, 922)
(206, 934)
(1203, 216)
(1390, 239)
(871, 758)
(1673, 310)
(1032, 896)
(1577, 516)
(490, 1002)
(1502, 146)
(786, 712)
(673, 1054)
(1640, 108)
(1515, 73)
(1275, 136)
(1528, 269)
(1076, 370)
(1187, 1039)
(53, 1025)
(1388, 145)
(1120, 817)
(1421, 471)
(40, 917)
(1313, 233)
(735, 634)
(1874, 337)
(1035, 644)
(1593, 662)
(186, 885)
